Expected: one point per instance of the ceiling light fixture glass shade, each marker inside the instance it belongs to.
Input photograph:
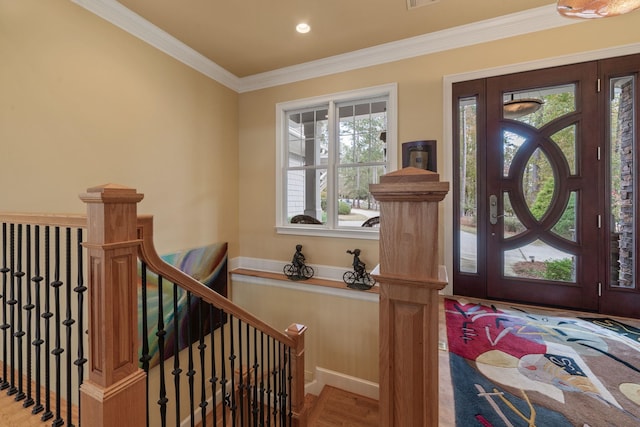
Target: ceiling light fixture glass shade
(521, 107)
(596, 8)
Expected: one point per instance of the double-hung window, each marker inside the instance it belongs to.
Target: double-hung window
(330, 149)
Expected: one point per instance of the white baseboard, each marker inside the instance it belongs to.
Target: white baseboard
(344, 382)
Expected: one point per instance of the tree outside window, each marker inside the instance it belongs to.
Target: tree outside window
(330, 153)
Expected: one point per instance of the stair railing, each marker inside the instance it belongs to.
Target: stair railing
(255, 373)
(42, 335)
(70, 351)
(243, 347)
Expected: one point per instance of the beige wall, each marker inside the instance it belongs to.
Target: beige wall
(420, 116)
(342, 333)
(420, 103)
(82, 103)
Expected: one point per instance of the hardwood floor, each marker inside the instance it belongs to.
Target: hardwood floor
(13, 414)
(336, 407)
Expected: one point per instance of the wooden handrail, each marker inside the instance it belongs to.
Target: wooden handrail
(53, 220)
(150, 256)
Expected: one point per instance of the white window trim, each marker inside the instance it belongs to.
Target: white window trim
(391, 91)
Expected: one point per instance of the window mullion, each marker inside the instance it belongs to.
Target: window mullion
(332, 210)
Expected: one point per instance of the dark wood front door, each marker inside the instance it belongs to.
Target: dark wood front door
(545, 200)
(542, 187)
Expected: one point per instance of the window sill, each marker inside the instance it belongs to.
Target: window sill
(345, 233)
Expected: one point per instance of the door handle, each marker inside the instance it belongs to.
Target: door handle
(493, 209)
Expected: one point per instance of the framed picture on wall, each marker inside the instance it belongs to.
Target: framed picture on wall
(420, 154)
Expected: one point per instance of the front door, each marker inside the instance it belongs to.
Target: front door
(542, 187)
(546, 211)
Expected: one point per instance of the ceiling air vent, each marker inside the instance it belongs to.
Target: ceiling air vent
(412, 4)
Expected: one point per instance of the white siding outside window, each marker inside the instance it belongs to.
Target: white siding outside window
(329, 149)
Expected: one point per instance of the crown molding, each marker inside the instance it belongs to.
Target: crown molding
(528, 21)
(118, 15)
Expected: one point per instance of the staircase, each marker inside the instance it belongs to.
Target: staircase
(115, 391)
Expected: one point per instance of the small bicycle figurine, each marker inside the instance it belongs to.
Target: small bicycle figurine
(358, 278)
(298, 270)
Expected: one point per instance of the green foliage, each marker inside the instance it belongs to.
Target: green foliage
(559, 269)
(344, 208)
(566, 224)
(360, 144)
(543, 200)
(512, 225)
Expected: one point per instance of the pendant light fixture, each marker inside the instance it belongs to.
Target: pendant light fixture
(588, 9)
(515, 108)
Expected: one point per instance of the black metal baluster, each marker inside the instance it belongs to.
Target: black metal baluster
(47, 315)
(223, 376)
(232, 371)
(12, 313)
(37, 343)
(213, 380)
(282, 394)
(190, 371)
(68, 323)
(162, 401)
(19, 333)
(58, 350)
(289, 386)
(4, 384)
(144, 356)
(240, 375)
(80, 289)
(28, 309)
(248, 375)
(268, 373)
(201, 348)
(255, 366)
(274, 381)
(176, 350)
(261, 407)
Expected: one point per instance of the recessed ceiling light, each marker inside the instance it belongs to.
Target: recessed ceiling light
(303, 28)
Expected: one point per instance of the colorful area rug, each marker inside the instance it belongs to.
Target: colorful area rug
(511, 367)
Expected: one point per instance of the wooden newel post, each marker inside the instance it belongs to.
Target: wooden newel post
(409, 288)
(296, 332)
(114, 395)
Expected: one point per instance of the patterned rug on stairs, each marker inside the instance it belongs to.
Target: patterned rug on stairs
(526, 367)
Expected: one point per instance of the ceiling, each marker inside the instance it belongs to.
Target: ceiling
(256, 36)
